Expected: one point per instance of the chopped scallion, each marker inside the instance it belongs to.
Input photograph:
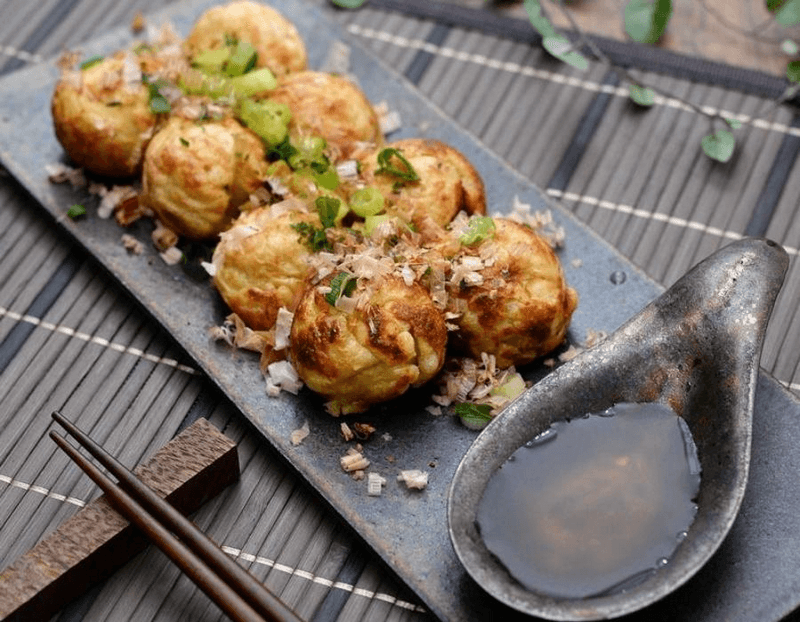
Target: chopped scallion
(386, 164)
(367, 201)
(92, 60)
(478, 229)
(270, 120)
(254, 82)
(343, 284)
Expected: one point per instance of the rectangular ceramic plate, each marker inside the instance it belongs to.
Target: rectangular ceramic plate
(407, 529)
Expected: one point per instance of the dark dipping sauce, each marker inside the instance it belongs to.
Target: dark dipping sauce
(594, 505)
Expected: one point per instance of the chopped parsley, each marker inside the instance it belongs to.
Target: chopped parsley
(478, 229)
(328, 209)
(76, 210)
(403, 169)
(343, 284)
(282, 150)
(315, 237)
(184, 142)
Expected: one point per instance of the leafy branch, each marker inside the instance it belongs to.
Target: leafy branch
(645, 22)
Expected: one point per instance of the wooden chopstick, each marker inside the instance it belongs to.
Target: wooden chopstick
(234, 589)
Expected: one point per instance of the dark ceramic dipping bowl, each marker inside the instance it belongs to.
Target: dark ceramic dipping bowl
(695, 348)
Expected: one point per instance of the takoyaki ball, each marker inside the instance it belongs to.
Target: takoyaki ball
(511, 295)
(422, 178)
(102, 116)
(197, 173)
(330, 107)
(275, 38)
(261, 263)
(393, 339)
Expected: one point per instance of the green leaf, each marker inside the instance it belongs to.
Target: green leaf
(734, 124)
(478, 229)
(538, 20)
(793, 71)
(719, 145)
(474, 416)
(76, 210)
(774, 5)
(348, 4)
(642, 95)
(788, 13)
(327, 179)
(646, 20)
(560, 47)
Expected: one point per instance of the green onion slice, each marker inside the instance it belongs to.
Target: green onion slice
(343, 284)
(387, 165)
(367, 202)
(92, 60)
(243, 58)
(254, 82)
(270, 120)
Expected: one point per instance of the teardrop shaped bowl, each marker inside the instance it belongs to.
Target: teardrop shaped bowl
(695, 348)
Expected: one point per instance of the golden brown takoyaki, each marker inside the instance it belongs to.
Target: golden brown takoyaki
(261, 262)
(276, 41)
(102, 116)
(197, 173)
(508, 290)
(394, 338)
(330, 107)
(424, 179)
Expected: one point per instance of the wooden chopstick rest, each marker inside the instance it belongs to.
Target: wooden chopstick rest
(189, 470)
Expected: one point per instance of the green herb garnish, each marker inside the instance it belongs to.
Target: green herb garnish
(184, 142)
(367, 201)
(343, 284)
(315, 237)
(243, 58)
(76, 210)
(474, 416)
(282, 151)
(158, 103)
(328, 210)
(270, 120)
(92, 60)
(478, 229)
(387, 165)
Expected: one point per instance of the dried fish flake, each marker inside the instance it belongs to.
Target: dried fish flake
(414, 479)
